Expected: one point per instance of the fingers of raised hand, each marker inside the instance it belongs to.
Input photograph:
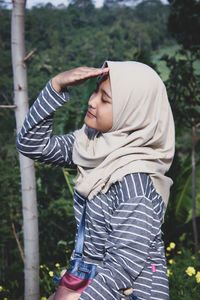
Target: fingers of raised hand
(86, 72)
(76, 76)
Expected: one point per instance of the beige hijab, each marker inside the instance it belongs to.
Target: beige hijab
(141, 139)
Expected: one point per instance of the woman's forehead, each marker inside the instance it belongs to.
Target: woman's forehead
(102, 78)
(105, 86)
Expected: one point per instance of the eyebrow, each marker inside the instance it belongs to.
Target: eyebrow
(106, 94)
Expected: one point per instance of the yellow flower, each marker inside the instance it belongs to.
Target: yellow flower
(192, 257)
(179, 252)
(169, 272)
(172, 245)
(171, 261)
(57, 265)
(168, 249)
(1, 288)
(44, 298)
(51, 273)
(41, 266)
(190, 271)
(198, 277)
(5, 298)
(167, 254)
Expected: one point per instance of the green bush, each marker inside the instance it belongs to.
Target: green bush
(184, 273)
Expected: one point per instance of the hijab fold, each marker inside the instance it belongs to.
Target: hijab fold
(141, 139)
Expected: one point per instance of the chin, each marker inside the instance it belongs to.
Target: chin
(88, 123)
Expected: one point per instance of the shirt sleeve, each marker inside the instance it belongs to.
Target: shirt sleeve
(134, 227)
(35, 138)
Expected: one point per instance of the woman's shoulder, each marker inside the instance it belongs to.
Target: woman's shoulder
(138, 185)
(133, 185)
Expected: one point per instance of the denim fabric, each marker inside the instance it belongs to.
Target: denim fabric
(132, 297)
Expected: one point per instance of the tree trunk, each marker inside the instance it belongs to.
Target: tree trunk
(29, 200)
(194, 224)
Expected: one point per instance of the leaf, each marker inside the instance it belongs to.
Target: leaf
(69, 175)
(183, 210)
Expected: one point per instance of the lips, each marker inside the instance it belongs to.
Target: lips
(90, 115)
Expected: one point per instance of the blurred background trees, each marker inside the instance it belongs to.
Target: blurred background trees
(184, 88)
(84, 35)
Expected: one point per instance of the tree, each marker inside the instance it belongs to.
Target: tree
(29, 200)
(184, 23)
(184, 79)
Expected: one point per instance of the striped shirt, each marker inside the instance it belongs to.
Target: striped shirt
(122, 227)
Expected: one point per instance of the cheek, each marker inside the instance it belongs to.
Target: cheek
(109, 117)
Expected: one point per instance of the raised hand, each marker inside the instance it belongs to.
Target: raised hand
(76, 76)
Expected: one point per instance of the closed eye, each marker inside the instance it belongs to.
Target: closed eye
(105, 101)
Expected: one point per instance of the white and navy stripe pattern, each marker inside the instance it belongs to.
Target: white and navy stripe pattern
(35, 140)
(123, 227)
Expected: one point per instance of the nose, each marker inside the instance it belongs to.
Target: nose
(93, 100)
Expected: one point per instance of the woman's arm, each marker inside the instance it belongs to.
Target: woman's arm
(35, 139)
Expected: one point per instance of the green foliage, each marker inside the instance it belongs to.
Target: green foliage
(5, 58)
(183, 284)
(56, 220)
(184, 23)
(184, 85)
(183, 90)
(47, 285)
(10, 207)
(69, 176)
(161, 64)
(183, 201)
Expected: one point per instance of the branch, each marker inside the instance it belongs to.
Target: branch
(8, 106)
(18, 242)
(197, 125)
(29, 55)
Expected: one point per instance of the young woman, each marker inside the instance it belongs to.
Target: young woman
(122, 154)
